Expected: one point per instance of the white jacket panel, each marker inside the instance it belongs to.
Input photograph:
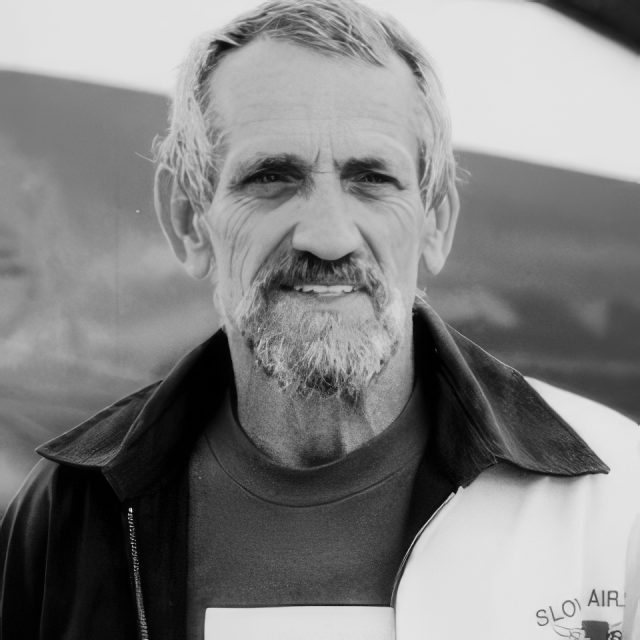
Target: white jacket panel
(527, 556)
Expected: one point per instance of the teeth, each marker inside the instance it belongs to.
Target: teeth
(314, 288)
(324, 288)
(340, 288)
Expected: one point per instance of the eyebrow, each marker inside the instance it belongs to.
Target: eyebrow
(299, 168)
(282, 162)
(360, 165)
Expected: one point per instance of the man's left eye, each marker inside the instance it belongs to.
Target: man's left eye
(375, 178)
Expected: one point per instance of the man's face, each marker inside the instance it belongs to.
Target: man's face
(317, 224)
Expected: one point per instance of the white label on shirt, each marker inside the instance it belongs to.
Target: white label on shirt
(300, 623)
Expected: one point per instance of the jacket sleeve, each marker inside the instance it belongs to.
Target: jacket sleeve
(24, 534)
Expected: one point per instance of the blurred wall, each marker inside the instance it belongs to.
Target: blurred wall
(544, 270)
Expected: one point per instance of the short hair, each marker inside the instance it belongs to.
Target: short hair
(191, 148)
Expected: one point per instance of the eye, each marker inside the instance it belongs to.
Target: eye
(267, 178)
(269, 184)
(375, 178)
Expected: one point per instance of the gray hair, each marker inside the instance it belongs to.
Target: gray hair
(192, 147)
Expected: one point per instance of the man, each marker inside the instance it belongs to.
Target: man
(337, 463)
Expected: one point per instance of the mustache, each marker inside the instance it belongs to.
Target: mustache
(296, 268)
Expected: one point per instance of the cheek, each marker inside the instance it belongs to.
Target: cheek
(230, 228)
(244, 235)
(394, 232)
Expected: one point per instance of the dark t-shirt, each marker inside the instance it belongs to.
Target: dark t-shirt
(263, 535)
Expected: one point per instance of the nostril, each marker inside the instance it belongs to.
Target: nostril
(327, 242)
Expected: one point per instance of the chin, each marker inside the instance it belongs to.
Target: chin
(324, 353)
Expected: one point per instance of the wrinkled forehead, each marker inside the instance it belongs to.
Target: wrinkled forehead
(271, 85)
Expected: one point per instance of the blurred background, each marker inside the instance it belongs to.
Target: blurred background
(545, 270)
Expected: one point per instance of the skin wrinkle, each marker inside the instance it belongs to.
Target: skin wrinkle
(265, 163)
(323, 208)
(298, 364)
(346, 32)
(330, 82)
(377, 144)
(240, 220)
(418, 123)
(402, 213)
(235, 238)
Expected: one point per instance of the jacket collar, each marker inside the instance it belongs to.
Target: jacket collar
(485, 413)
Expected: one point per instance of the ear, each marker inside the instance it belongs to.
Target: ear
(183, 227)
(439, 230)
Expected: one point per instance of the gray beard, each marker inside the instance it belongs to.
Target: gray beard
(322, 353)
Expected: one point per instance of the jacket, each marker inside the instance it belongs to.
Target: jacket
(532, 545)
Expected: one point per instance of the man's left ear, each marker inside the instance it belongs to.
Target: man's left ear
(439, 230)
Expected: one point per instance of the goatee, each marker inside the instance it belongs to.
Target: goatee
(323, 352)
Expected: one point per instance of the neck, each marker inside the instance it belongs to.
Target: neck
(303, 432)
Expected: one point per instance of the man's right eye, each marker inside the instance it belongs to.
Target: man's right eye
(269, 184)
(267, 178)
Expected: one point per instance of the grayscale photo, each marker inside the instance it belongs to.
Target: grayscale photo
(320, 320)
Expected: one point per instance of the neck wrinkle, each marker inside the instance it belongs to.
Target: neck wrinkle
(302, 432)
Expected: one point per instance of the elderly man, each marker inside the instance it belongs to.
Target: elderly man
(335, 462)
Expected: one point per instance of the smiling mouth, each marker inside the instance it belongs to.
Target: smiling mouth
(325, 289)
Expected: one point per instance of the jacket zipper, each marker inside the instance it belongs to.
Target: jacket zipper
(405, 559)
(135, 569)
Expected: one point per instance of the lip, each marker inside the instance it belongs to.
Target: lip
(323, 288)
(325, 294)
(319, 301)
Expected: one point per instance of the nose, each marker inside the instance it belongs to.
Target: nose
(326, 227)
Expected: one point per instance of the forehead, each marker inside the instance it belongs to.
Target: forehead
(298, 100)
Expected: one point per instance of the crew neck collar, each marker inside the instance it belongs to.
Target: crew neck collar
(402, 442)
